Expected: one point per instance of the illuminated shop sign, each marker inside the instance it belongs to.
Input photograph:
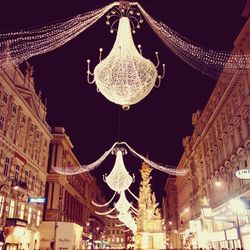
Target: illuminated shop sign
(37, 200)
(243, 174)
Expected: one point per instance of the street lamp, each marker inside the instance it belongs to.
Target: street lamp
(237, 206)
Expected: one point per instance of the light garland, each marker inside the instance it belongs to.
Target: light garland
(164, 168)
(16, 47)
(124, 77)
(105, 204)
(72, 170)
(207, 61)
(85, 168)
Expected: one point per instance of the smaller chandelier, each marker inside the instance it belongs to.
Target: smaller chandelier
(119, 179)
(123, 205)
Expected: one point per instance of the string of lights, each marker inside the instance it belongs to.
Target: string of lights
(105, 204)
(164, 168)
(207, 61)
(16, 47)
(72, 170)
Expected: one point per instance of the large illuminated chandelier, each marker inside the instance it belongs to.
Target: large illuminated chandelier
(125, 77)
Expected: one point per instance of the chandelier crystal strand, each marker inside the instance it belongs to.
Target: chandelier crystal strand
(105, 204)
(166, 169)
(83, 168)
(106, 213)
(207, 61)
(22, 45)
(133, 194)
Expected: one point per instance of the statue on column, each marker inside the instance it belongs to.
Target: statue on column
(149, 222)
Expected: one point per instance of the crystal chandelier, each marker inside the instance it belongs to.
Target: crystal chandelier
(122, 205)
(119, 179)
(125, 77)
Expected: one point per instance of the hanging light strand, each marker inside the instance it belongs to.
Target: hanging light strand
(207, 61)
(16, 47)
(83, 168)
(124, 183)
(105, 204)
(166, 169)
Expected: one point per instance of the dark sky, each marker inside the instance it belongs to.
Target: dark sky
(157, 124)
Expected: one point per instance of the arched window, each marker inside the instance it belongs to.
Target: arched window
(17, 172)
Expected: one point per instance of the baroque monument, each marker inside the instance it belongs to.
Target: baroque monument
(150, 233)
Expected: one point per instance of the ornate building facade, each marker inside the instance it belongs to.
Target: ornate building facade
(68, 198)
(97, 223)
(115, 233)
(170, 213)
(24, 147)
(209, 199)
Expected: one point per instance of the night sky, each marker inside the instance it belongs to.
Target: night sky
(156, 125)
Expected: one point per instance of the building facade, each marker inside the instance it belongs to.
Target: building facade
(97, 223)
(116, 233)
(24, 147)
(170, 213)
(68, 198)
(211, 201)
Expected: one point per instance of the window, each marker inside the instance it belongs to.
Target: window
(22, 208)
(29, 215)
(14, 108)
(117, 232)
(17, 172)
(23, 119)
(11, 131)
(5, 97)
(32, 128)
(26, 177)
(1, 205)
(1, 122)
(38, 218)
(6, 166)
(41, 188)
(33, 182)
(11, 209)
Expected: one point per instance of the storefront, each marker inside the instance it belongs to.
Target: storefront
(18, 236)
(67, 235)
